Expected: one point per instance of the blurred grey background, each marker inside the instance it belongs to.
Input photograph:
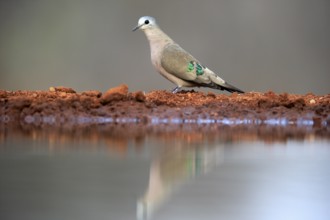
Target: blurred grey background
(256, 45)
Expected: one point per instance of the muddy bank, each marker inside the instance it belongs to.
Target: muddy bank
(61, 106)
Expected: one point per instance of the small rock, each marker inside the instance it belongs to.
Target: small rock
(92, 93)
(115, 94)
(312, 101)
(211, 94)
(139, 96)
(61, 89)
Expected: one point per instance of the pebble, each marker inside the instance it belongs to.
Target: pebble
(312, 101)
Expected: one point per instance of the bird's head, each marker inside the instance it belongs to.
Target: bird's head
(145, 22)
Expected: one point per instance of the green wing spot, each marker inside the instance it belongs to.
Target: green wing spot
(191, 66)
(199, 69)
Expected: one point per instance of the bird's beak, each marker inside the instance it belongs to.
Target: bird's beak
(137, 27)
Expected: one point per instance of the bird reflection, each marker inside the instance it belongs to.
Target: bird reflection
(173, 167)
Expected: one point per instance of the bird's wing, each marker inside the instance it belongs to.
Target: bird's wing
(176, 61)
(183, 65)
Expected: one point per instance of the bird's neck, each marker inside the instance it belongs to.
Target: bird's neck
(156, 35)
(157, 40)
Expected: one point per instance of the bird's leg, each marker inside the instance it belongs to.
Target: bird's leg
(176, 89)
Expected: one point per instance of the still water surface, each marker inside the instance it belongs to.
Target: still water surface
(164, 172)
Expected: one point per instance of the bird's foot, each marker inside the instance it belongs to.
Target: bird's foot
(176, 89)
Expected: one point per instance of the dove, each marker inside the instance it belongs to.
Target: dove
(176, 64)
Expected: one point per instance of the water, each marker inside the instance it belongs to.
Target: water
(164, 172)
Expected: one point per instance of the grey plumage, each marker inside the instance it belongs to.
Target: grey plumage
(176, 64)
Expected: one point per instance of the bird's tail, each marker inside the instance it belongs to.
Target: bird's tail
(224, 86)
(218, 83)
(230, 88)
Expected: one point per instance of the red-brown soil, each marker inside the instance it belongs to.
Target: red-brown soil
(60, 106)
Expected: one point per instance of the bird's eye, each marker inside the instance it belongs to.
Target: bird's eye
(146, 21)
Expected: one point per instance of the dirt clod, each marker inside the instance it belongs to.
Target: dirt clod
(115, 94)
(92, 93)
(61, 89)
(139, 96)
